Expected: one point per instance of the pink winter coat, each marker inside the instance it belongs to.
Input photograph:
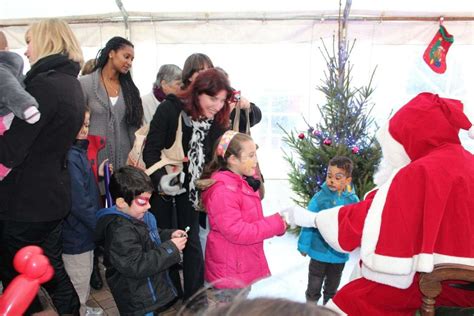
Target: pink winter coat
(234, 249)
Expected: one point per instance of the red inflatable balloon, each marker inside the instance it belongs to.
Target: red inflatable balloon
(34, 269)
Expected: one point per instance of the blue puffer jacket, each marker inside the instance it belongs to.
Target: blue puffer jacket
(79, 226)
(311, 241)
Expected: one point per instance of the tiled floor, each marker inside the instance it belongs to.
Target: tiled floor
(103, 298)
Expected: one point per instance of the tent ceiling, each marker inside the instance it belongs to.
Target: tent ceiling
(21, 12)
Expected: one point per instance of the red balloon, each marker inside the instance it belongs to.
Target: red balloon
(18, 295)
(48, 274)
(23, 256)
(34, 269)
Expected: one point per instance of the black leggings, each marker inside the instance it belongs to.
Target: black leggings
(178, 213)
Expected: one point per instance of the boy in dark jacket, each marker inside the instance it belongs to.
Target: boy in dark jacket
(79, 226)
(136, 259)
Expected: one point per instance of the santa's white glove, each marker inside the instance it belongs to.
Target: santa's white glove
(299, 216)
(172, 183)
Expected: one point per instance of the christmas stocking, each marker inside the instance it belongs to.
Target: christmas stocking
(435, 54)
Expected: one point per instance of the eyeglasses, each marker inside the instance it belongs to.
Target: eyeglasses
(141, 200)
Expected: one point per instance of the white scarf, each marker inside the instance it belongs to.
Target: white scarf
(196, 157)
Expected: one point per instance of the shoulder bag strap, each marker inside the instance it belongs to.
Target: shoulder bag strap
(247, 117)
(164, 161)
(235, 126)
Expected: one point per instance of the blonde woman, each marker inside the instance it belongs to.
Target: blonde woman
(36, 196)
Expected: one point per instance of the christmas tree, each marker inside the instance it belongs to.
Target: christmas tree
(346, 127)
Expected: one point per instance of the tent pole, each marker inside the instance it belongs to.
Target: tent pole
(133, 17)
(125, 18)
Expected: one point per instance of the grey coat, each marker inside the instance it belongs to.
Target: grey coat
(108, 121)
(13, 97)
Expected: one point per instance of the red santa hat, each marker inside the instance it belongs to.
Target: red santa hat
(426, 122)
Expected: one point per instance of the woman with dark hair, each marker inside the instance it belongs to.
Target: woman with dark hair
(204, 108)
(114, 100)
(194, 64)
(116, 111)
(199, 62)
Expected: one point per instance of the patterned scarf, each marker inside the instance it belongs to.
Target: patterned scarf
(196, 157)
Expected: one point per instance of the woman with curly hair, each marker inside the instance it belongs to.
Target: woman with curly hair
(202, 111)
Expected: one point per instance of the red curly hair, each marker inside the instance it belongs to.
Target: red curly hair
(209, 82)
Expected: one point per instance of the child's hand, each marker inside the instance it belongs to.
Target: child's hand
(303, 253)
(286, 215)
(179, 242)
(179, 233)
(297, 215)
(101, 168)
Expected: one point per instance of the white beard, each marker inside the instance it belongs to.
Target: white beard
(383, 172)
(394, 156)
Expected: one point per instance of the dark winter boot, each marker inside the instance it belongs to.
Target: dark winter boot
(96, 279)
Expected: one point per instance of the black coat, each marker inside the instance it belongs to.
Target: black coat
(136, 266)
(163, 133)
(38, 188)
(255, 117)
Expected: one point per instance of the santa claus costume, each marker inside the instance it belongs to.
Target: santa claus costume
(422, 215)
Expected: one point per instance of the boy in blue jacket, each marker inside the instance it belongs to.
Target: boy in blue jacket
(79, 225)
(326, 265)
(137, 255)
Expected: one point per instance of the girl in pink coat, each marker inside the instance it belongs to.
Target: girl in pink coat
(234, 250)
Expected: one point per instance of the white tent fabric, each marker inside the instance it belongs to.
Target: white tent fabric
(271, 50)
(27, 9)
